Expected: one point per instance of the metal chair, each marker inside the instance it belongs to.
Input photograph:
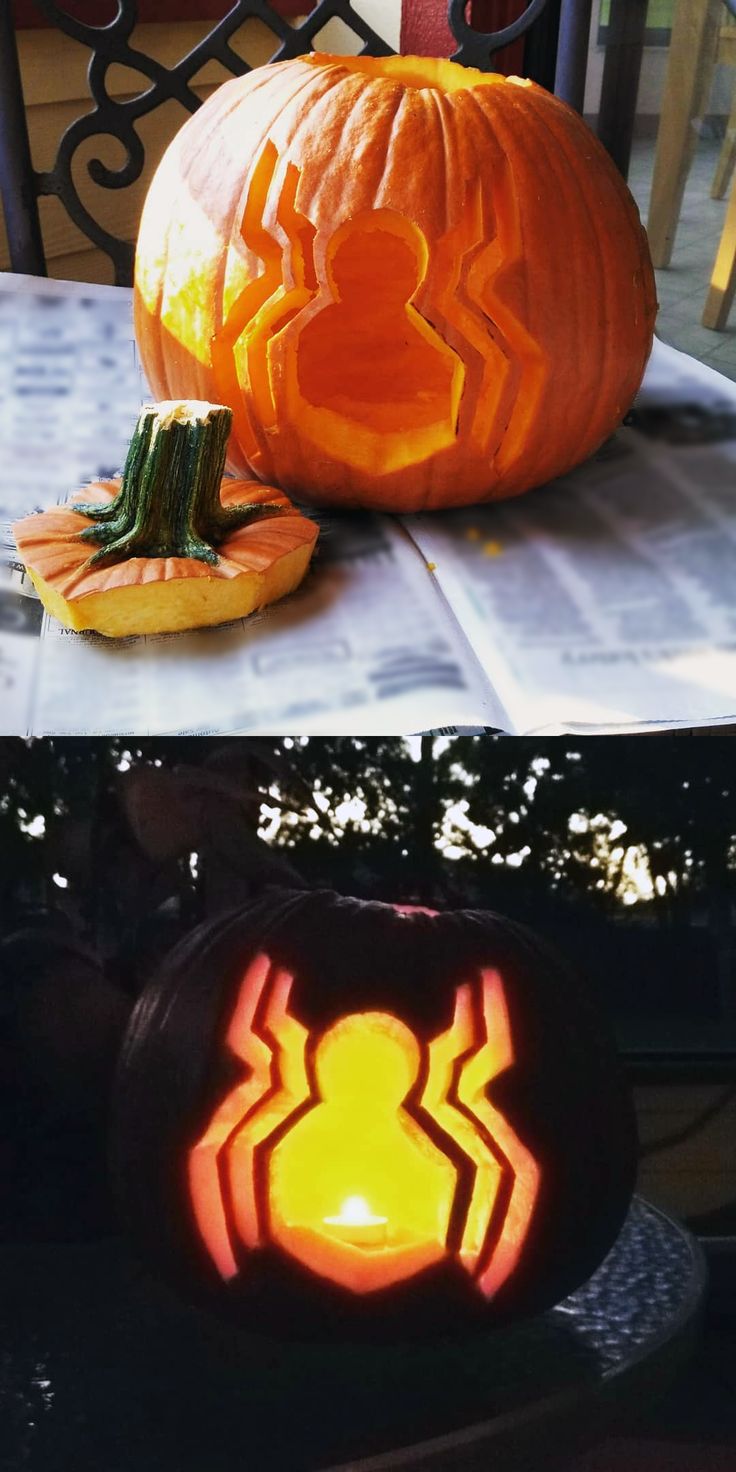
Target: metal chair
(21, 185)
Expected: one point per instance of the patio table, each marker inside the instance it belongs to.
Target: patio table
(102, 1367)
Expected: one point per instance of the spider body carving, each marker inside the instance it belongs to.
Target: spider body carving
(365, 1112)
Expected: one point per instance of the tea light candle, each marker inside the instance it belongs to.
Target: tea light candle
(357, 1225)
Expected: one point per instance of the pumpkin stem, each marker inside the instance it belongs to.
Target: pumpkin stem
(169, 500)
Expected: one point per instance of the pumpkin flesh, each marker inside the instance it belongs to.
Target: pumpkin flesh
(147, 595)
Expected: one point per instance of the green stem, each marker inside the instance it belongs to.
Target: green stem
(169, 500)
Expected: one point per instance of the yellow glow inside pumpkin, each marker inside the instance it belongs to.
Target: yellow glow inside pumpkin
(359, 1140)
(365, 1113)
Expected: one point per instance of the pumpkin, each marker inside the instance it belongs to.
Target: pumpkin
(170, 545)
(416, 285)
(342, 1115)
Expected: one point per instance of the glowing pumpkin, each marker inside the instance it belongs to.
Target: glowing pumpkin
(336, 1112)
(416, 285)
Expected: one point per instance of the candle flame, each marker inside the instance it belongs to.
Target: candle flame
(355, 1212)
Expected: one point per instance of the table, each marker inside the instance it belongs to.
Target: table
(103, 1368)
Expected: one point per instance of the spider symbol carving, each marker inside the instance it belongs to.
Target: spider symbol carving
(365, 1100)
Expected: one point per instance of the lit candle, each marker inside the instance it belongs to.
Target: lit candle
(357, 1224)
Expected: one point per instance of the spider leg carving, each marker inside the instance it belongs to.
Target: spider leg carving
(267, 1048)
(496, 1054)
(265, 304)
(252, 296)
(448, 1054)
(286, 301)
(490, 365)
(289, 1093)
(506, 1176)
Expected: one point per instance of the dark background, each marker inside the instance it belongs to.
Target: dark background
(623, 850)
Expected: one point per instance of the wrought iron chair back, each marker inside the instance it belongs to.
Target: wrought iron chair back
(21, 185)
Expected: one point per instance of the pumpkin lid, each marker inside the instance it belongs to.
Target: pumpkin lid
(49, 543)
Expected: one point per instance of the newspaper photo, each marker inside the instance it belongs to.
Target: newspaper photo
(603, 601)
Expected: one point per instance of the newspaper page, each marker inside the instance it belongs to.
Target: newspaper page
(601, 602)
(607, 600)
(364, 646)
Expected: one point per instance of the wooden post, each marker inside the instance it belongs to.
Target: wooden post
(689, 74)
(723, 281)
(726, 158)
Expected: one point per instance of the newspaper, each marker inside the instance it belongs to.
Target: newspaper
(604, 601)
(365, 645)
(607, 600)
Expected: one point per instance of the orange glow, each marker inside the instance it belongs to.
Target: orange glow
(371, 374)
(362, 1152)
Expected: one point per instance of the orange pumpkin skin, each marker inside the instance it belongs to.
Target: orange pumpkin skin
(258, 557)
(416, 285)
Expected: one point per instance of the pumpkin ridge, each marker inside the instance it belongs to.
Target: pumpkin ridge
(475, 298)
(435, 101)
(387, 162)
(359, 97)
(573, 266)
(532, 439)
(592, 263)
(236, 557)
(642, 272)
(509, 461)
(577, 131)
(160, 383)
(304, 122)
(604, 258)
(226, 376)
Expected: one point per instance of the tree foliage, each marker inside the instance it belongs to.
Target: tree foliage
(104, 830)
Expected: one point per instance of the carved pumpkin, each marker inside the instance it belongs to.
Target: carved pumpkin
(331, 1112)
(415, 284)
